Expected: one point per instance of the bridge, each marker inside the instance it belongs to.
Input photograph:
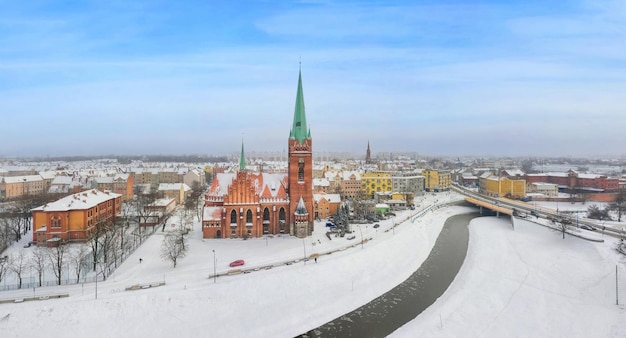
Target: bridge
(508, 206)
(492, 206)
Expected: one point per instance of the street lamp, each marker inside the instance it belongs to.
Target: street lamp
(361, 231)
(214, 268)
(304, 249)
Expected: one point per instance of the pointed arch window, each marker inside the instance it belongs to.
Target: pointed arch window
(282, 220)
(233, 217)
(266, 221)
(249, 216)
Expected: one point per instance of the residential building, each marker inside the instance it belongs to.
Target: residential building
(408, 182)
(374, 182)
(326, 205)
(436, 180)
(18, 186)
(176, 191)
(75, 217)
(501, 186)
(350, 184)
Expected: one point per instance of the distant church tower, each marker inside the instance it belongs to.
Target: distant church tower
(368, 154)
(300, 172)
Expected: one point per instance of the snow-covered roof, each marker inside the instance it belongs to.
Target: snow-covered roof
(163, 202)
(264, 183)
(346, 175)
(48, 175)
(173, 186)
(321, 182)
(26, 178)
(332, 198)
(61, 180)
(514, 172)
(80, 201)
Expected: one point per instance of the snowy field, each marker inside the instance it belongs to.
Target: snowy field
(524, 282)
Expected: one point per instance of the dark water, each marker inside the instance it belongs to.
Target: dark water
(385, 314)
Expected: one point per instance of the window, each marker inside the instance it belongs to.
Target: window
(249, 216)
(55, 222)
(301, 172)
(233, 217)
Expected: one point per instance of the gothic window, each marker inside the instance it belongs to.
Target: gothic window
(266, 215)
(281, 220)
(249, 216)
(233, 217)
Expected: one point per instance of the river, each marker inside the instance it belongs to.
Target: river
(403, 303)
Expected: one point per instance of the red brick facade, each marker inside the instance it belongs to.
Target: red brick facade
(573, 180)
(300, 178)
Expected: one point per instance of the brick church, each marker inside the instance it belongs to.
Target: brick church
(246, 204)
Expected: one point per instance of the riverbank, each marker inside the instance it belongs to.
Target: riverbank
(528, 282)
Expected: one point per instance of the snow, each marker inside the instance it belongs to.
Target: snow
(525, 281)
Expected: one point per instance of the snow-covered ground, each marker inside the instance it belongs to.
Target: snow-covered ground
(522, 282)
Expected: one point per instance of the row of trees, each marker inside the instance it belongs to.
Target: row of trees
(43, 259)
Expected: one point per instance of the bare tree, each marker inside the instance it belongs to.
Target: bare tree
(19, 265)
(142, 205)
(562, 224)
(4, 267)
(619, 204)
(56, 255)
(173, 247)
(79, 260)
(5, 233)
(96, 239)
(38, 262)
(194, 200)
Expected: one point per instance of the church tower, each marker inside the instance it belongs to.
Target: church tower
(368, 155)
(300, 174)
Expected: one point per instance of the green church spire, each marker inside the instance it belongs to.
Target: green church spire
(299, 129)
(242, 159)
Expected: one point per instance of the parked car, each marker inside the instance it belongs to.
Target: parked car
(586, 227)
(376, 225)
(351, 237)
(238, 262)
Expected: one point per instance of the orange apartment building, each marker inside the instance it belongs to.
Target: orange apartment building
(120, 184)
(326, 205)
(74, 218)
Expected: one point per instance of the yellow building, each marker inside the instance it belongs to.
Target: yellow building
(496, 186)
(376, 182)
(436, 180)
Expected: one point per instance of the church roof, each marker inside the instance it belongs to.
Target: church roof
(267, 185)
(242, 159)
(299, 129)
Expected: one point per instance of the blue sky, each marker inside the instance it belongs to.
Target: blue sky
(502, 78)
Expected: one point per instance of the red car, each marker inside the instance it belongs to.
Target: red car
(238, 262)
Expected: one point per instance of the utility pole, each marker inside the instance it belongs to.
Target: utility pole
(616, 287)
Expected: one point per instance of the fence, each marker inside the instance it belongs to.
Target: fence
(32, 282)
